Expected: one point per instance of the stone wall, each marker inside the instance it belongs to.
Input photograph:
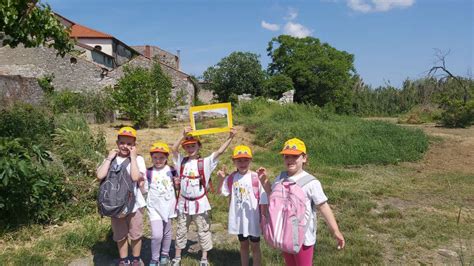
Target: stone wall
(205, 96)
(155, 52)
(17, 88)
(78, 74)
(37, 62)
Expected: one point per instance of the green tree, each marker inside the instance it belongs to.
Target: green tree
(132, 94)
(32, 24)
(161, 95)
(143, 95)
(275, 86)
(238, 73)
(321, 74)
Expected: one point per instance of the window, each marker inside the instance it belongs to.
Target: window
(98, 47)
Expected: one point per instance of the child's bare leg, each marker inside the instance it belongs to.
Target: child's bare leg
(136, 247)
(178, 253)
(256, 253)
(123, 248)
(204, 255)
(244, 252)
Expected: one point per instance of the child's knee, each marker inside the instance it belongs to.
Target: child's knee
(255, 246)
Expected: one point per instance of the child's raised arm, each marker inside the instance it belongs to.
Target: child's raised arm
(226, 144)
(134, 171)
(221, 174)
(103, 169)
(326, 211)
(262, 176)
(175, 148)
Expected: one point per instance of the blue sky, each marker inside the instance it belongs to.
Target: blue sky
(391, 39)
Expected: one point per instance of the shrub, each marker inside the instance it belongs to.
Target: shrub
(78, 148)
(421, 114)
(331, 139)
(458, 114)
(98, 103)
(28, 123)
(32, 187)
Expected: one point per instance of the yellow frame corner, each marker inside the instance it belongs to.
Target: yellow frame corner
(194, 109)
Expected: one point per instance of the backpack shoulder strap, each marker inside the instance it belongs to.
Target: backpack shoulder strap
(305, 180)
(149, 173)
(201, 167)
(181, 166)
(255, 185)
(126, 162)
(283, 175)
(230, 182)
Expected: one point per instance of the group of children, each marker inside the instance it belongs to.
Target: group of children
(180, 192)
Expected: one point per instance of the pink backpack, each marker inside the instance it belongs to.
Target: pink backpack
(285, 224)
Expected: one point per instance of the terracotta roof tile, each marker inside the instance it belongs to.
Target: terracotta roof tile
(79, 31)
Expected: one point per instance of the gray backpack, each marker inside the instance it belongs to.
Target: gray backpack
(116, 196)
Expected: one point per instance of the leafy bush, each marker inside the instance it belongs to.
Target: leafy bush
(458, 114)
(331, 139)
(32, 187)
(275, 86)
(28, 123)
(421, 114)
(78, 148)
(98, 103)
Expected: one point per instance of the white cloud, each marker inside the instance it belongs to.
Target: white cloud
(366, 6)
(269, 26)
(296, 30)
(292, 14)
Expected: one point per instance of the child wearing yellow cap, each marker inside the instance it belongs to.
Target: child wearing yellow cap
(161, 202)
(125, 158)
(294, 158)
(194, 178)
(246, 194)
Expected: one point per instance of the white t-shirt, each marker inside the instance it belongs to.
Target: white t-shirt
(315, 193)
(161, 199)
(191, 188)
(244, 214)
(139, 199)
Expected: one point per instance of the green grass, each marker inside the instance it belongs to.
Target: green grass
(331, 139)
(385, 210)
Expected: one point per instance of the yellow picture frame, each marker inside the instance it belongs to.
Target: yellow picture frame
(210, 119)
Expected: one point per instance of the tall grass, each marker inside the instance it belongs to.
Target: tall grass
(331, 139)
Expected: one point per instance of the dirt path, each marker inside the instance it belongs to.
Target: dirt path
(454, 152)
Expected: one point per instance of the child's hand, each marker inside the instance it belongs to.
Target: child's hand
(341, 243)
(262, 175)
(177, 181)
(133, 152)
(187, 131)
(112, 154)
(233, 132)
(222, 173)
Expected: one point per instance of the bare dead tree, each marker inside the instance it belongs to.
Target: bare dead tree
(440, 65)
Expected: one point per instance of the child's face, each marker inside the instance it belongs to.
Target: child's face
(242, 164)
(124, 143)
(159, 159)
(192, 149)
(294, 163)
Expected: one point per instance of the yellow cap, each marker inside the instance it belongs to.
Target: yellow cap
(242, 151)
(160, 147)
(127, 131)
(293, 146)
(190, 140)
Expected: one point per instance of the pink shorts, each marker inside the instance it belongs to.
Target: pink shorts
(131, 226)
